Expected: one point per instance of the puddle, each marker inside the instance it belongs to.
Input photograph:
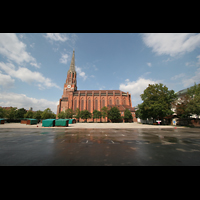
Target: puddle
(170, 139)
(44, 132)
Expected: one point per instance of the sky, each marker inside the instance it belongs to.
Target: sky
(33, 66)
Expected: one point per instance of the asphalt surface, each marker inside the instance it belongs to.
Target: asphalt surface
(99, 147)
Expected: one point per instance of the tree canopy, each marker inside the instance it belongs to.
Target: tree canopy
(77, 113)
(194, 99)
(29, 114)
(10, 113)
(114, 114)
(69, 113)
(48, 114)
(127, 115)
(2, 112)
(85, 114)
(20, 113)
(62, 115)
(104, 112)
(96, 114)
(157, 102)
(37, 114)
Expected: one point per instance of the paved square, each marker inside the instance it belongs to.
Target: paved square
(99, 147)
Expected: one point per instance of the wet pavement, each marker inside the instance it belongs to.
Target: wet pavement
(99, 147)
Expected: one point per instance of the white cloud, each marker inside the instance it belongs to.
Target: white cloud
(136, 88)
(55, 49)
(95, 68)
(102, 88)
(178, 76)
(64, 58)
(22, 101)
(190, 64)
(149, 64)
(6, 81)
(192, 80)
(26, 75)
(171, 43)
(32, 45)
(13, 49)
(81, 73)
(57, 37)
(35, 65)
(198, 62)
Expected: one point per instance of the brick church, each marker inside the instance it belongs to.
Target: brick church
(91, 99)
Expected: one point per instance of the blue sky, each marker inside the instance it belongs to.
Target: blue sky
(33, 66)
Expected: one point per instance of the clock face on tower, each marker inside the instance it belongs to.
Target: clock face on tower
(69, 86)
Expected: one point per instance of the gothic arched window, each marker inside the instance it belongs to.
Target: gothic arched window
(110, 101)
(96, 104)
(89, 105)
(75, 104)
(124, 101)
(103, 103)
(117, 101)
(82, 104)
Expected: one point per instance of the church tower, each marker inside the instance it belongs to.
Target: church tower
(70, 86)
(71, 83)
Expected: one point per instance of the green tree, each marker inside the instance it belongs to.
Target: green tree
(181, 106)
(114, 114)
(20, 113)
(141, 112)
(37, 114)
(29, 114)
(96, 114)
(69, 113)
(85, 114)
(127, 115)
(157, 101)
(62, 115)
(10, 113)
(104, 112)
(77, 114)
(194, 99)
(2, 112)
(48, 114)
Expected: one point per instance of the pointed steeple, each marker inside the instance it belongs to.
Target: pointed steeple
(72, 65)
(71, 76)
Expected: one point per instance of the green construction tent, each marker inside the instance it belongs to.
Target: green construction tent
(48, 122)
(2, 121)
(71, 121)
(31, 121)
(61, 122)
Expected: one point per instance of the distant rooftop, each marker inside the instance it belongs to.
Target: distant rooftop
(182, 92)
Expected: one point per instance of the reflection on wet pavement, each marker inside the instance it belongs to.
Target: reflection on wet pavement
(99, 147)
(122, 136)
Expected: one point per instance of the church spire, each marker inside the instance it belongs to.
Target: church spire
(71, 76)
(72, 65)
